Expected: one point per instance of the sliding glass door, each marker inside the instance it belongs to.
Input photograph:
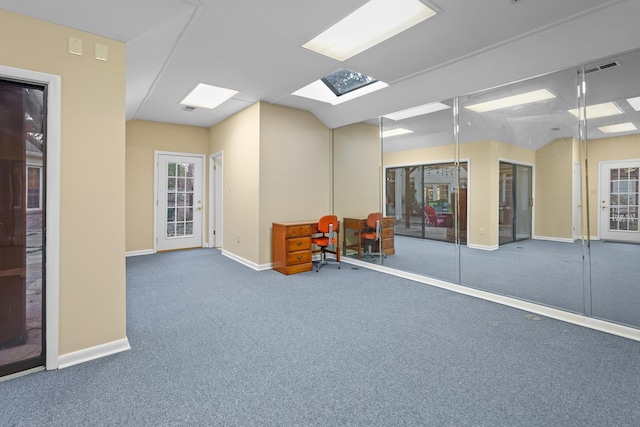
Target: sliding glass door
(516, 201)
(22, 219)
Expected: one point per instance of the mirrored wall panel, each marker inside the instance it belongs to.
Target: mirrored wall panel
(524, 231)
(425, 190)
(530, 190)
(613, 147)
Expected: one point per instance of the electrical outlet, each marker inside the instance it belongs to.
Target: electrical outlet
(482, 231)
(238, 238)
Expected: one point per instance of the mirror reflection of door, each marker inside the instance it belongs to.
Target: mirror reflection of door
(180, 202)
(515, 208)
(619, 201)
(22, 183)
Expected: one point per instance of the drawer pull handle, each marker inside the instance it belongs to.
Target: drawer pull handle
(299, 243)
(299, 257)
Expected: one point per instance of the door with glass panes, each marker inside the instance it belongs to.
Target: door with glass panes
(618, 202)
(179, 201)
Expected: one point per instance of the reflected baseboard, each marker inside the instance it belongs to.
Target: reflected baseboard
(554, 313)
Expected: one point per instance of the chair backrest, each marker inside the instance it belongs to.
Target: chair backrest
(328, 224)
(430, 212)
(374, 220)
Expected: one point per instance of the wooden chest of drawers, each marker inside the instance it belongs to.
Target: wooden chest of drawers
(291, 246)
(360, 224)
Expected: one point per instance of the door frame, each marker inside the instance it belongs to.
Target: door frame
(52, 237)
(215, 200)
(156, 157)
(576, 213)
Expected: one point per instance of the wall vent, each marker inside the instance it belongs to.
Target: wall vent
(602, 67)
(188, 108)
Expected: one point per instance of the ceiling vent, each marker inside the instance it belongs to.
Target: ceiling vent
(602, 67)
(188, 108)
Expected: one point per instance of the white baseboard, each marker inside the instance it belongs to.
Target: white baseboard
(250, 264)
(138, 253)
(565, 316)
(483, 247)
(92, 353)
(554, 239)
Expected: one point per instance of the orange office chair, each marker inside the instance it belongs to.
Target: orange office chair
(372, 235)
(328, 241)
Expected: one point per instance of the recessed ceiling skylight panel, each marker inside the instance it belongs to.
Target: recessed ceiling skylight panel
(374, 22)
(207, 96)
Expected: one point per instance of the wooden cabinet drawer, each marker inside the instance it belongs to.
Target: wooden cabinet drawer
(388, 221)
(298, 230)
(387, 243)
(298, 244)
(387, 233)
(298, 257)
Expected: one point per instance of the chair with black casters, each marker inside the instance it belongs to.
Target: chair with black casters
(328, 227)
(371, 236)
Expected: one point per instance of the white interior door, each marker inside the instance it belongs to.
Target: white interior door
(619, 201)
(179, 201)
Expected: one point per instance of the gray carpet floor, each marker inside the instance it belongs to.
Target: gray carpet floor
(555, 274)
(215, 343)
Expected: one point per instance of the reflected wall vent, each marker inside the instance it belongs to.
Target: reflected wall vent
(602, 67)
(188, 108)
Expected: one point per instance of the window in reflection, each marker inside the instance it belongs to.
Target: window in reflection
(424, 200)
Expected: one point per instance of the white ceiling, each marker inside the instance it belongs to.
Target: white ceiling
(255, 47)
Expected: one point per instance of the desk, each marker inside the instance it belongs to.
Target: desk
(292, 250)
(358, 225)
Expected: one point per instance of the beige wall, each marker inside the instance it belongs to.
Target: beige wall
(143, 139)
(554, 189)
(356, 170)
(238, 138)
(92, 197)
(295, 170)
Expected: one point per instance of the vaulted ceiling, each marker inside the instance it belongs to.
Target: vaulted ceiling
(255, 47)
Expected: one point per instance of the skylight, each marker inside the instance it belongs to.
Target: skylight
(207, 96)
(600, 110)
(374, 22)
(344, 81)
(512, 101)
(340, 86)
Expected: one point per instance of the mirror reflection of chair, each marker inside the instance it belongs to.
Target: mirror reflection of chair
(329, 227)
(372, 236)
(431, 218)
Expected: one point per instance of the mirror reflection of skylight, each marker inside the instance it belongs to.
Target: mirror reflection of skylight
(596, 111)
(417, 111)
(621, 127)
(344, 81)
(634, 102)
(395, 132)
